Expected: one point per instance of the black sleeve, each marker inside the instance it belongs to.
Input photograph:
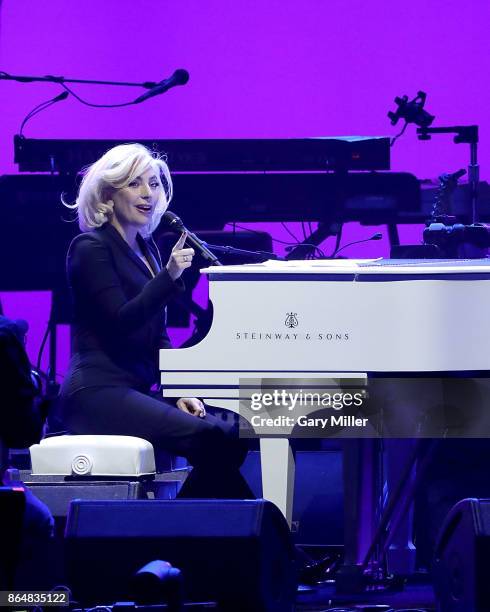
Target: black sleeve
(92, 274)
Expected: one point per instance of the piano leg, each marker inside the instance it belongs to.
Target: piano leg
(278, 468)
(362, 491)
(400, 556)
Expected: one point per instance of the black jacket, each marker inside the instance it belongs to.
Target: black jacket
(119, 311)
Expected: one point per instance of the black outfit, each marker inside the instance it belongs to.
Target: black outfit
(119, 311)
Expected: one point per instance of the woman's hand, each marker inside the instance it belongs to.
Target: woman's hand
(180, 258)
(192, 405)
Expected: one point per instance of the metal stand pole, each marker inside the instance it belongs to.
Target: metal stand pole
(463, 134)
(473, 179)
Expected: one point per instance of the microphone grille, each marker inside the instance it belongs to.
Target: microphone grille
(181, 76)
(172, 219)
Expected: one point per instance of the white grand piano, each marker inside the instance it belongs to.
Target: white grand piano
(329, 320)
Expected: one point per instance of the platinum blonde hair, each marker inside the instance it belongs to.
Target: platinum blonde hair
(114, 170)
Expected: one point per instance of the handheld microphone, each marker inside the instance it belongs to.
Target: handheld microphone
(175, 224)
(179, 77)
(377, 236)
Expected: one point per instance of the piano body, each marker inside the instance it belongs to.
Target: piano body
(350, 319)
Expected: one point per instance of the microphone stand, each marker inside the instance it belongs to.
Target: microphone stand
(464, 134)
(61, 79)
(255, 255)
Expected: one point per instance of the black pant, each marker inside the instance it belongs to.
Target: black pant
(210, 444)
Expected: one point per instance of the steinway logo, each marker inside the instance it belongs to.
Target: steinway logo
(292, 322)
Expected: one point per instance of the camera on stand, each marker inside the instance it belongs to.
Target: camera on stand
(444, 237)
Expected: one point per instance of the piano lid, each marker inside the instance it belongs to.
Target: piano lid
(438, 268)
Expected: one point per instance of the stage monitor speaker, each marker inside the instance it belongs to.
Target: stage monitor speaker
(238, 553)
(462, 558)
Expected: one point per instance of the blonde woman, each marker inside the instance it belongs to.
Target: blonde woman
(120, 289)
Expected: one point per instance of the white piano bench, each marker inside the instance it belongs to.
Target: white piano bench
(94, 456)
(99, 468)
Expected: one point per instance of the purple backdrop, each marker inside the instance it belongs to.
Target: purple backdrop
(258, 69)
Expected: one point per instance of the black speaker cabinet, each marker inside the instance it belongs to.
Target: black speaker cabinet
(235, 552)
(12, 508)
(462, 558)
